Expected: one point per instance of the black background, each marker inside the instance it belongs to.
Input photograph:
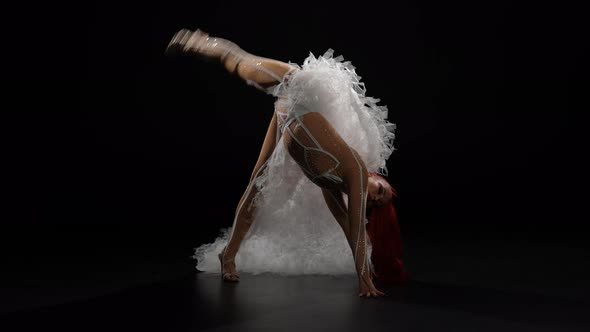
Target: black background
(118, 153)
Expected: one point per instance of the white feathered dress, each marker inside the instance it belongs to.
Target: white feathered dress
(293, 231)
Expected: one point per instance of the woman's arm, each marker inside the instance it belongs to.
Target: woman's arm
(357, 198)
(258, 71)
(335, 203)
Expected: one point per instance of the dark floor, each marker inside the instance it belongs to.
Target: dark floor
(458, 286)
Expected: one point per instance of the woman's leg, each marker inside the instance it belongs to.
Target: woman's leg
(259, 71)
(245, 209)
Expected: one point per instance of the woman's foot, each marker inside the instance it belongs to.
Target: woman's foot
(228, 269)
(188, 41)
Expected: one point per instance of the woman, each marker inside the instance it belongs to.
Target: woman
(332, 132)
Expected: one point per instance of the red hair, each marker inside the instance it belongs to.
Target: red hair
(386, 242)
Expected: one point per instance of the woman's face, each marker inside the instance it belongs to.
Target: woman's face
(380, 192)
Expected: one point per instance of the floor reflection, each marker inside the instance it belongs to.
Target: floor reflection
(201, 301)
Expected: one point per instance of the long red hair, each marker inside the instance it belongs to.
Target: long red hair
(386, 242)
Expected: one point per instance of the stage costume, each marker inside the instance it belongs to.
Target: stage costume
(293, 231)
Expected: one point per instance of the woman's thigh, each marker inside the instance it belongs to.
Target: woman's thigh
(267, 148)
(318, 149)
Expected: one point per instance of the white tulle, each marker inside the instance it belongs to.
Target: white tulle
(293, 230)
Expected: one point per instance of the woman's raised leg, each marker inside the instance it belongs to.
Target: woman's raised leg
(256, 70)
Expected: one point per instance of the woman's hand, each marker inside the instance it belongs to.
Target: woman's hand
(368, 289)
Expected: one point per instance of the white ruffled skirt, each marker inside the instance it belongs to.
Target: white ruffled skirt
(293, 230)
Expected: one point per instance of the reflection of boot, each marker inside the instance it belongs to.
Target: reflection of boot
(227, 276)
